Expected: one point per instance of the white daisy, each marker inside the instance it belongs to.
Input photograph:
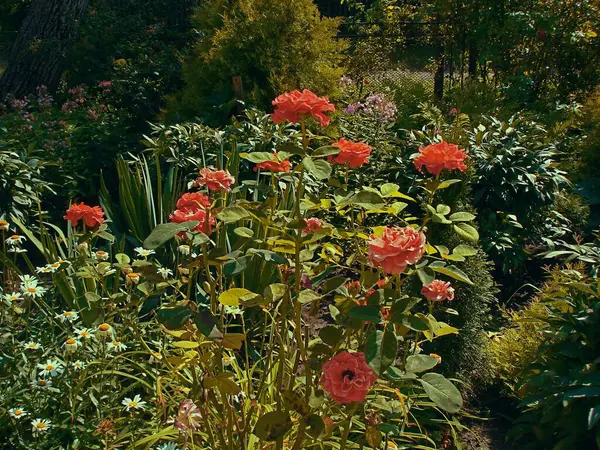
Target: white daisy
(15, 239)
(54, 266)
(136, 403)
(40, 425)
(164, 272)
(42, 384)
(44, 269)
(78, 365)
(15, 296)
(83, 247)
(84, 333)
(227, 360)
(104, 329)
(102, 255)
(32, 346)
(168, 446)
(51, 368)
(17, 250)
(71, 344)
(68, 316)
(17, 413)
(4, 225)
(133, 278)
(184, 249)
(34, 291)
(144, 253)
(116, 346)
(28, 280)
(233, 310)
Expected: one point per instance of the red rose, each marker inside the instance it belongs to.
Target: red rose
(188, 214)
(347, 377)
(92, 215)
(193, 200)
(312, 225)
(274, 166)
(355, 154)
(437, 157)
(215, 180)
(293, 106)
(396, 248)
(438, 291)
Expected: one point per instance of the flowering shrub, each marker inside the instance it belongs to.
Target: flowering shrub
(273, 315)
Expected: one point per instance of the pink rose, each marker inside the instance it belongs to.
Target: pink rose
(438, 291)
(347, 377)
(396, 248)
(215, 180)
(312, 225)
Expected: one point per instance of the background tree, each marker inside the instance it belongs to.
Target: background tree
(40, 48)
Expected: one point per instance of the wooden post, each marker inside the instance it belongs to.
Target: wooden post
(438, 79)
(238, 88)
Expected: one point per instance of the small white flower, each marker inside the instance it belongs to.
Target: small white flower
(102, 255)
(136, 403)
(51, 368)
(104, 329)
(54, 266)
(34, 291)
(164, 272)
(15, 239)
(17, 413)
(227, 360)
(116, 346)
(32, 346)
(233, 310)
(71, 344)
(4, 225)
(41, 425)
(28, 280)
(168, 446)
(78, 365)
(17, 250)
(44, 269)
(194, 255)
(184, 249)
(144, 253)
(83, 247)
(84, 333)
(68, 316)
(132, 278)
(15, 296)
(104, 269)
(42, 384)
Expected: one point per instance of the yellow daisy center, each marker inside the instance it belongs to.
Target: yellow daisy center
(104, 327)
(71, 341)
(133, 404)
(31, 289)
(15, 237)
(40, 425)
(50, 367)
(18, 412)
(42, 383)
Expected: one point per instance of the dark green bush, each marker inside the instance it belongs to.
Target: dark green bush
(273, 46)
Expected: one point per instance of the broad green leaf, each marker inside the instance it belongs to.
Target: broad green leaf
(272, 426)
(464, 250)
(447, 183)
(331, 334)
(444, 210)
(326, 150)
(244, 232)
(415, 323)
(368, 313)
(175, 317)
(236, 266)
(231, 297)
(467, 232)
(314, 426)
(232, 214)
(420, 363)
(200, 239)
(451, 271)
(122, 258)
(258, 157)
(307, 296)
(319, 169)
(186, 344)
(166, 231)
(275, 292)
(461, 217)
(380, 350)
(367, 200)
(442, 392)
(400, 308)
(224, 383)
(207, 323)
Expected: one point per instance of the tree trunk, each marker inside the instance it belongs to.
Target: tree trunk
(39, 52)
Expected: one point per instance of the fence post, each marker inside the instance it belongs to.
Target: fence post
(438, 79)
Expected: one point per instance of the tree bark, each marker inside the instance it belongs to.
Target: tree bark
(39, 52)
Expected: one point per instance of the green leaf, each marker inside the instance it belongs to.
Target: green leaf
(331, 335)
(231, 297)
(275, 292)
(175, 317)
(368, 313)
(464, 250)
(232, 214)
(319, 169)
(444, 210)
(268, 256)
(92, 297)
(236, 266)
(308, 296)
(314, 426)
(200, 239)
(207, 323)
(272, 426)
(224, 383)
(244, 232)
(420, 363)
(388, 188)
(258, 157)
(451, 271)
(165, 232)
(366, 199)
(415, 323)
(461, 217)
(326, 150)
(442, 392)
(467, 232)
(380, 350)
(447, 183)
(401, 307)
(186, 344)
(122, 259)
